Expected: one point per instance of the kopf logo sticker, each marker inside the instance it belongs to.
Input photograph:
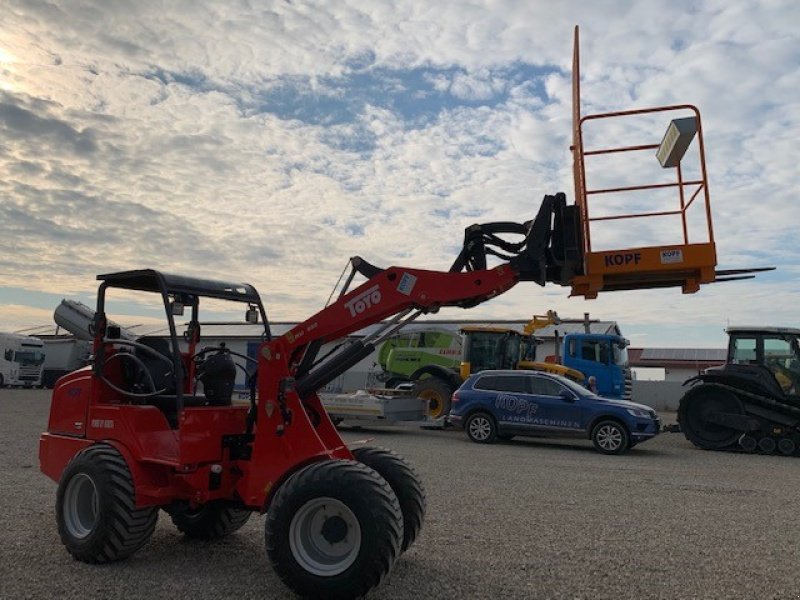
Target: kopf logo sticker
(671, 256)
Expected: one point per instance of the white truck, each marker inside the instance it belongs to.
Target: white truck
(21, 360)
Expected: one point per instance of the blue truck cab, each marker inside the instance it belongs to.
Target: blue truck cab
(603, 356)
(493, 405)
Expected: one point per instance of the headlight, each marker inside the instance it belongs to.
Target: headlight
(640, 412)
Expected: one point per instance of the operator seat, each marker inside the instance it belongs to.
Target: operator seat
(162, 376)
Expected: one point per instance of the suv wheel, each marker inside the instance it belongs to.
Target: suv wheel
(480, 428)
(610, 437)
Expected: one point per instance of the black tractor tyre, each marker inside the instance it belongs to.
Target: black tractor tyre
(405, 483)
(212, 521)
(611, 437)
(97, 518)
(333, 530)
(693, 410)
(436, 393)
(481, 428)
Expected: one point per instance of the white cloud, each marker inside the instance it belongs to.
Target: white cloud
(138, 134)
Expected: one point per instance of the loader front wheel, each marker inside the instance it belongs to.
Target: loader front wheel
(211, 521)
(95, 507)
(404, 482)
(334, 530)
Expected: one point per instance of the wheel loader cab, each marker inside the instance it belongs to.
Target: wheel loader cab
(167, 369)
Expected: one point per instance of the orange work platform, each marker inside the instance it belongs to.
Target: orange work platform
(680, 262)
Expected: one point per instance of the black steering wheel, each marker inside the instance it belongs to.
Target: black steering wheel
(140, 366)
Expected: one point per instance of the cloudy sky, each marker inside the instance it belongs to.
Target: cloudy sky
(270, 141)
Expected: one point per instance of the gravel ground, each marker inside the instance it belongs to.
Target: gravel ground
(525, 519)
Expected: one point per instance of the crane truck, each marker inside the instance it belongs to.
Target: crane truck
(151, 425)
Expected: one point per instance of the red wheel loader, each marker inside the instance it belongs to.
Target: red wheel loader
(151, 423)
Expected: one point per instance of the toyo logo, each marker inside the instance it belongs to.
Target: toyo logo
(364, 300)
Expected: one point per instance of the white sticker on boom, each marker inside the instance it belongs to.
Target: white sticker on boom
(671, 256)
(407, 283)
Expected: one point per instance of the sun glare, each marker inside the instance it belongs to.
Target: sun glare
(6, 60)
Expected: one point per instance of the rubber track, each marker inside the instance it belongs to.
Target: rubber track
(130, 528)
(406, 484)
(757, 399)
(384, 508)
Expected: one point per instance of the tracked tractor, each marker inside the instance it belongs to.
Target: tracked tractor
(752, 403)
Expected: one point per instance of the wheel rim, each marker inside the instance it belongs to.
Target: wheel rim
(81, 506)
(609, 437)
(434, 403)
(325, 537)
(480, 428)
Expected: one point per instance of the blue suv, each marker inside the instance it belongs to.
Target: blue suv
(493, 405)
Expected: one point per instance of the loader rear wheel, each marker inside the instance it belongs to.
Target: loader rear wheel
(211, 521)
(436, 394)
(333, 530)
(405, 483)
(695, 412)
(95, 508)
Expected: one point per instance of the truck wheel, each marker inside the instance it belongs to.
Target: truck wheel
(404, 482)
(436, 394)
(610, 437)
(481, 428)
(211, 521)
(95, 508)
(333, 530)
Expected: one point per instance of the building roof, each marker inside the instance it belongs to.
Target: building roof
(675, 358)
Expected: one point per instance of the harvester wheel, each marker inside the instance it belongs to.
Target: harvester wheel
(695, 413)
(211, 521)
(610, 437)
(334, 530)
(436, 394)
(405, 483)
(95, 507)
